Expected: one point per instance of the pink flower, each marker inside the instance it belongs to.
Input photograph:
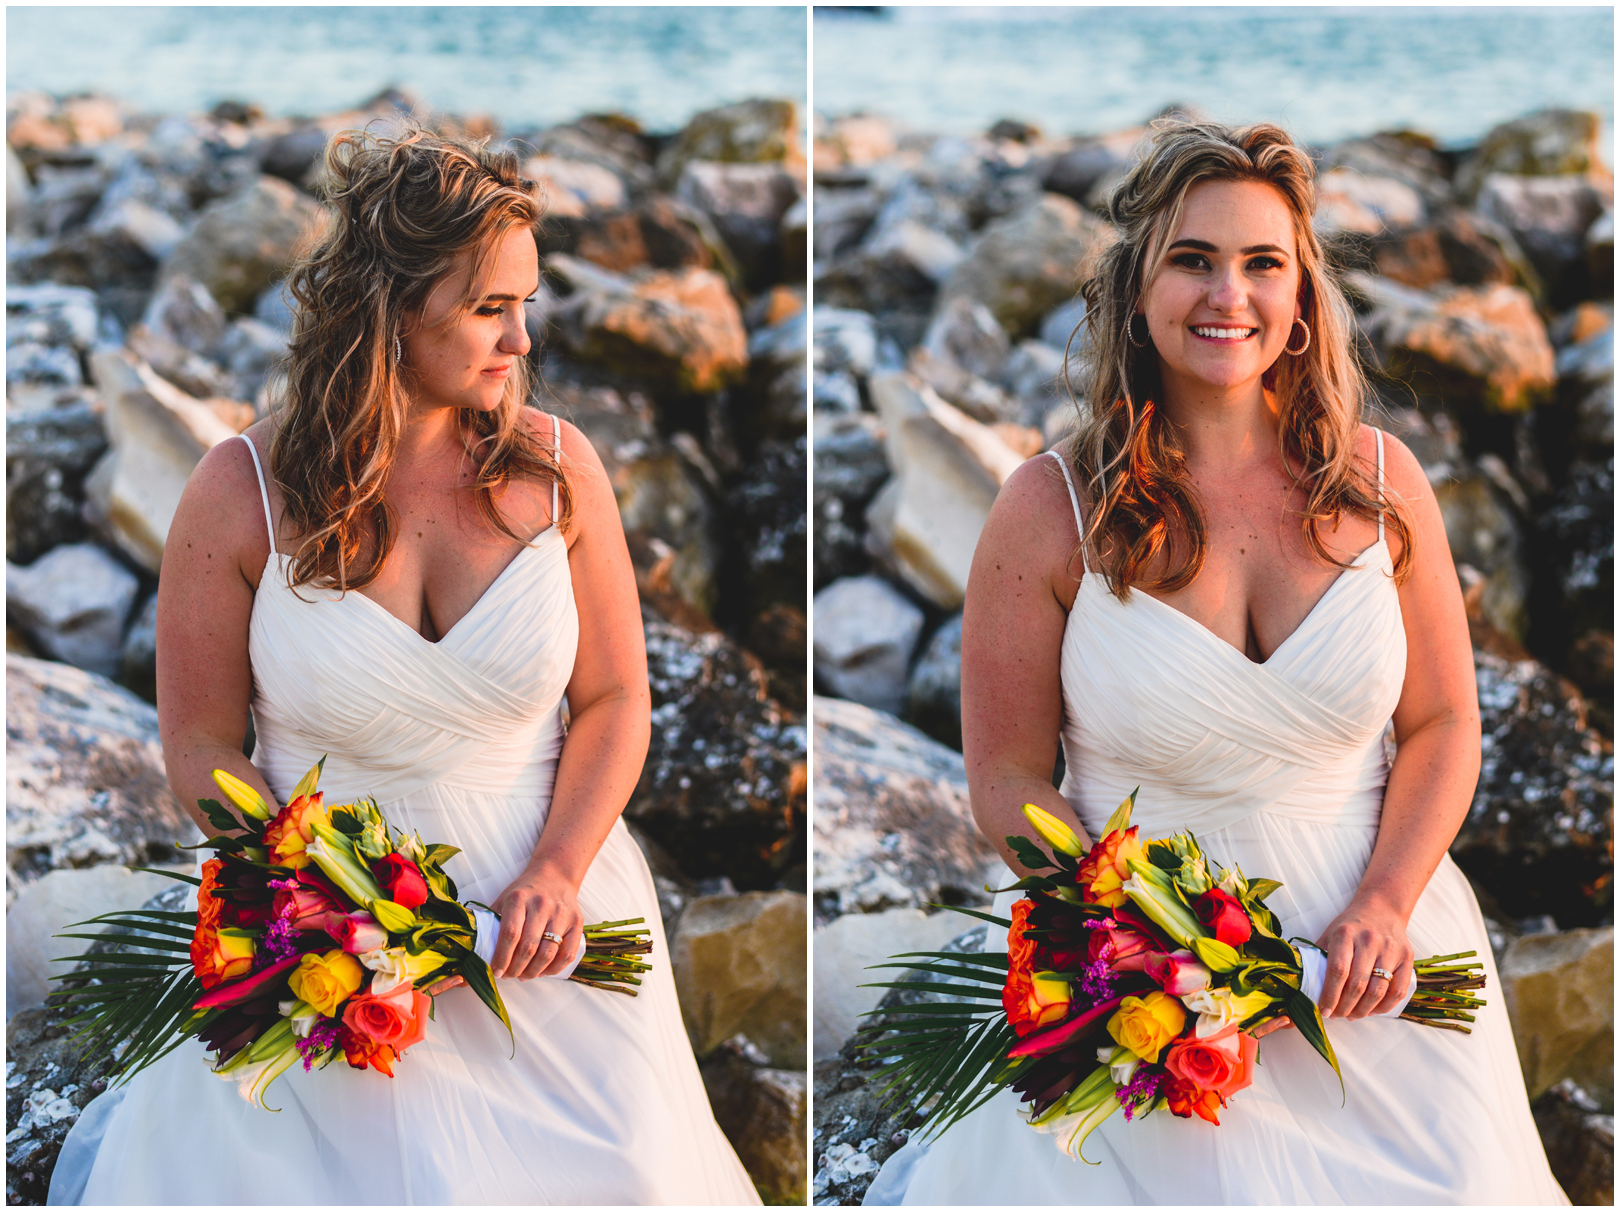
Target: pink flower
(357, 933)
(1179, 973)
(305, 906)
(396, 1019)
(1125, 949)
(1221, 1063)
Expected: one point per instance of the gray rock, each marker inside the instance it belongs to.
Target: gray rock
(73, 603)
(1351, 201)
(849, 466)
(138, 662)
(1485, 531)
(1549, 143)
(1578, 1139)
(85, 777)
(183, 312)
(243, 243)
(251, 351)
(53, 314)
(1550, 217)
(892, 825)
(843, 340)
(763, 1113)
(933, 686)
(1061, 322)
(965, 332)
(50, 447)
(274, 307)
(747, 203)
(760, 130)
(864, 633)
(30, 362)
(841, 218)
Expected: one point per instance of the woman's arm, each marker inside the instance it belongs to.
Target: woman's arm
(609, 728)
(1434, 773)
(1022, 581)
(215, 552)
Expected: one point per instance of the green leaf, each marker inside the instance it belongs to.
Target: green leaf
(219, 816)
(1261, 889)
(346, 823)
(1029, 855)
(947, 969)
(929, 987)
(1161, 856)
(981, 914)
(437, 855)
(998, 960)
(171, 874)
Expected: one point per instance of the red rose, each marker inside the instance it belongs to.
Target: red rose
(1186, 1100)
(401, 880)
(1223, 915)
(359, 1052)
(1030, 1001)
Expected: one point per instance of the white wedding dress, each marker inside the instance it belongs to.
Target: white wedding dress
(599, 1102)
(1281, 768)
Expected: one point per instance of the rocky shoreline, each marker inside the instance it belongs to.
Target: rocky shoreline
(144, 324)
(945, 277)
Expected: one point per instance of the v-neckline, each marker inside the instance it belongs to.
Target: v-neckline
(1358, 564)
(276, 555)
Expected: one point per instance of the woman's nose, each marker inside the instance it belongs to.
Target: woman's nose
(1227, 291)
(515, 336)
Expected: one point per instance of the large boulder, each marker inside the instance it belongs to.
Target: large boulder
(933, 685)
(1578, 1139)
(724, 786)
(763, 1113)
(1350, 201)
(1559, 995)
(50, 447)
(158, 434)
(948, 468)
(679, 329)
(865, 632)
(73, 603)
(243, 243)
(1485, 532)
(1549, 143)
(1539, 832)
(1478, 347)
(1026, 263)
(849, 467)
(747, 204)
(766, 517)
(892, 826)
(658, 231)
(739, 963)
(85, 777)
(759, 131)
(1549, 216)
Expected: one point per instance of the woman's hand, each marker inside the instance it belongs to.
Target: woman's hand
(1268, 1028)
(1365, 936)
(540, 901)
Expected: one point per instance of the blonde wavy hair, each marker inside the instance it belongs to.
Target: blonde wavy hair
(404, 208)
(1142, 507)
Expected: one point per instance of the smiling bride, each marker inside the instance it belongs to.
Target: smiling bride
(1223, 590)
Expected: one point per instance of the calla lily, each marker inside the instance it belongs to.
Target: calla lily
(334, 854)
(1122, 1063)
(301, 1016)
(1054, 831)
(1082, 1111)
(262, 1062)
(247, 800)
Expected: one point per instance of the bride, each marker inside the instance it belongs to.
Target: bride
(428, 573)
(1222, 591)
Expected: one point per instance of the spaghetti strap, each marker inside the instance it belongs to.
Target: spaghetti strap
(1381, 486)
(264, 498)
(558, 450)
(1076, 511)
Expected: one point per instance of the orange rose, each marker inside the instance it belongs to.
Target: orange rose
(359, 1052)
(1220, 1063)
(1101, 874)
(209, 906)
(1031, 999)
(287, 835)
(1185, 1100)
(397, 1019)
(221, 954)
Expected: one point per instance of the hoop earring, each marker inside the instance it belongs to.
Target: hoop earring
(1308, 336)
(397, 349)
(1136, 343)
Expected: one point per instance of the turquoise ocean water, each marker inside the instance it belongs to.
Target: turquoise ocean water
(524, 65)
(1324, 73)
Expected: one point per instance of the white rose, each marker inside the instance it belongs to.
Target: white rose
(1218, 1008)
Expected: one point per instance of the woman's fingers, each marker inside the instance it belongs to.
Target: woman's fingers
(571, 935)
(1270, 1027)
(1392, 996)
(450, 982)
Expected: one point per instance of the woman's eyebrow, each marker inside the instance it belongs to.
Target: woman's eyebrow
(1207, 247)
(497, 296)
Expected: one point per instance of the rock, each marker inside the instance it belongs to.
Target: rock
(841, 219)
(294, 155)
(575, 188)
(892, 825)
(1586, 372)
(843, 341)
(965, 333)
(1477, 347)
(758, 131)
(777, 382)
(1599, 254)
(158, 434)
(948, 470)
(766, 515)
(1089, 162)
(1456, 246)
(864, 634)
(1549, 143)
(1550, 217)
(1485, 532)
(186, 370)
(680, 329)
(243, 243)
(138, 662)
(1405, 157)
(843, 950)
(898, 266)
(1023, 265)
(1573, 554)
(275, 308)
(611, 141)
(47, 1085)
(855, 140)
(56, 901)
(849, 466)
(792, 239)
(251, 351)
(73, 603)
(979, 399)
(724, 786)
(763, 1114)
(1578, 1143)
(52, 315)
(84, 775)
(1559, 996)
(1539, 831)
(933, 686)
(659, 231)
(49, 450)
(739, 963)
(747, 204)
(182, 312)
(1350, 201)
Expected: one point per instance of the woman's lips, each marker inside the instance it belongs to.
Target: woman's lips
(1223, 333)
(498, 373)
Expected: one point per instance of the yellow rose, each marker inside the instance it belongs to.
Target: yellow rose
(1145, 1025)
(326, 980)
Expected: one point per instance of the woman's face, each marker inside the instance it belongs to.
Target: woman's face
(465, 362)
(1221, 303)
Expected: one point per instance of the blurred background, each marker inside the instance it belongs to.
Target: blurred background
(961, 159)
(159, 177)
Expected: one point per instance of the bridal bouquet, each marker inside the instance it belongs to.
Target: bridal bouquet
(1133, 975)
(316, 933)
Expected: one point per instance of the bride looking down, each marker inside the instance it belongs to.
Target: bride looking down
(410, 571)
(1223, 589)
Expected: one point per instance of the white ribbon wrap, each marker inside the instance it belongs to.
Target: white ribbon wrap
(487, 925)
(1314, 961)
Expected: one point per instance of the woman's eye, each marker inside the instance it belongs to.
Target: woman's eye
(1267, 263)
(489, 310)
(1191, 261)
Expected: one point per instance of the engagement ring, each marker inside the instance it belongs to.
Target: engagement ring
(1382, 972)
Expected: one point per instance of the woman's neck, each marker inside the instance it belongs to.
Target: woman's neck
(1223, 428)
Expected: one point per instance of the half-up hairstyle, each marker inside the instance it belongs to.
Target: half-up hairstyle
(1142, 508)
(403, 208)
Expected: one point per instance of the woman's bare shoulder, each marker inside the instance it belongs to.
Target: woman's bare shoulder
(1035, 519)
(221, 505)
